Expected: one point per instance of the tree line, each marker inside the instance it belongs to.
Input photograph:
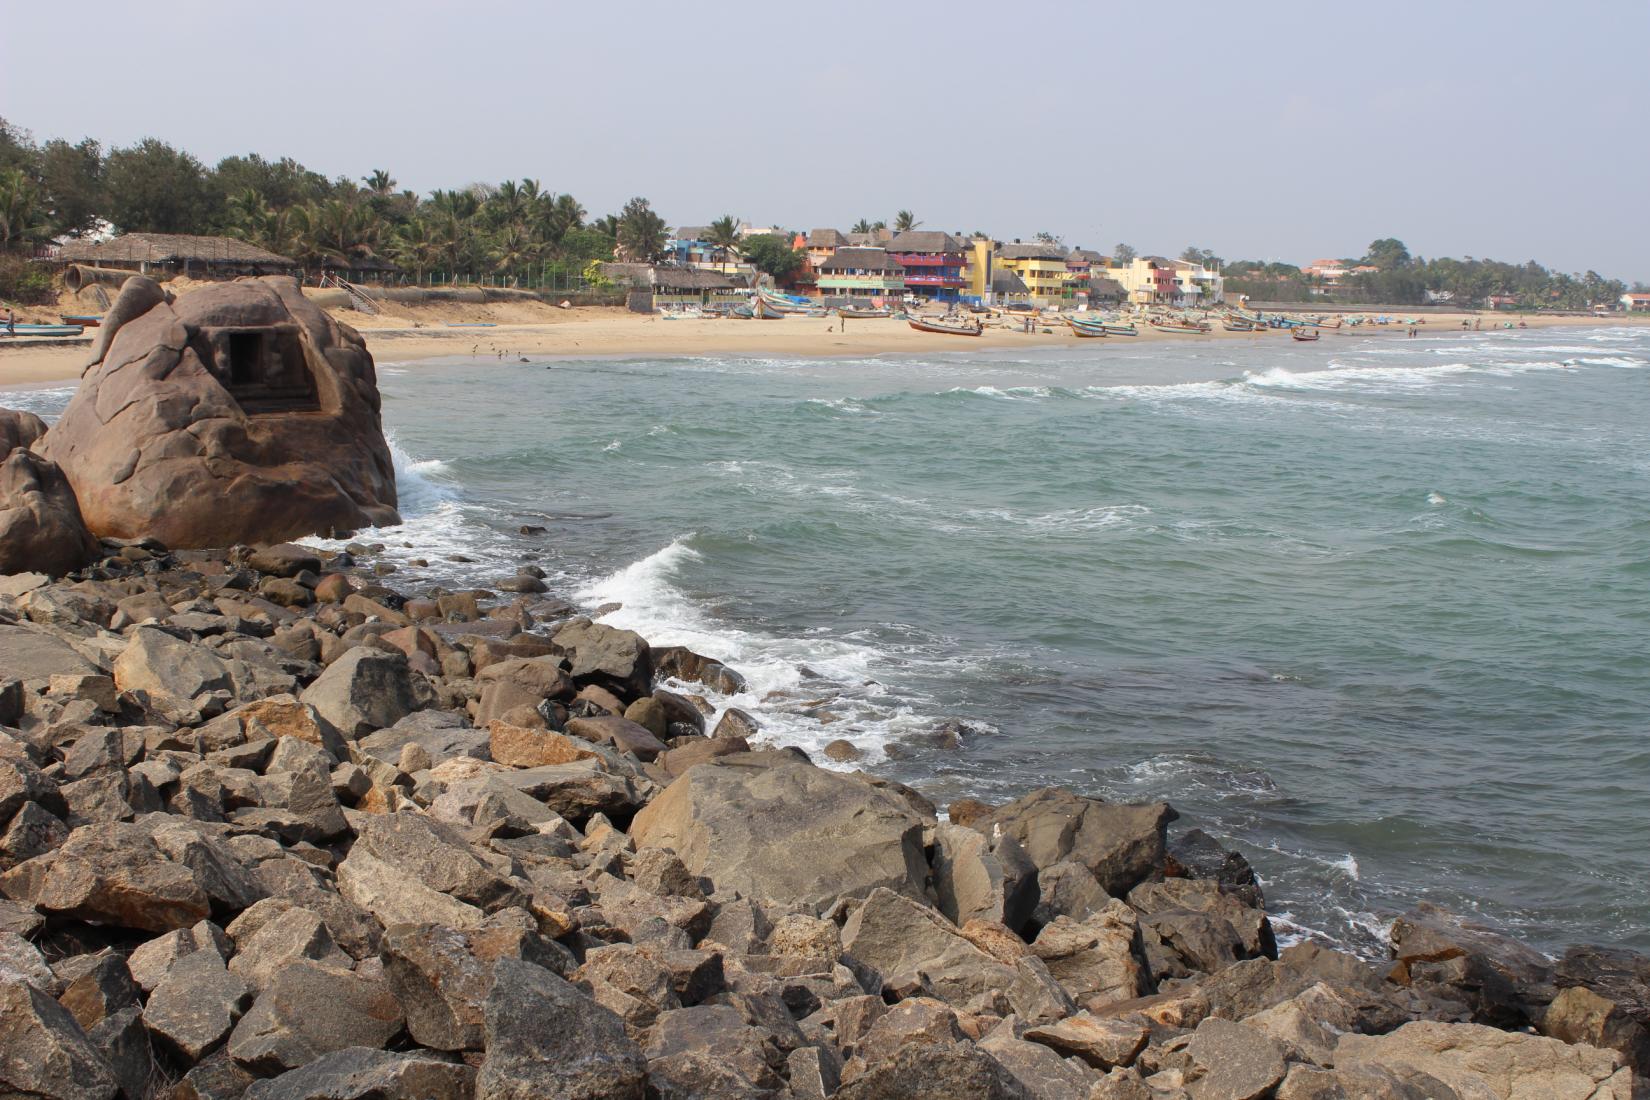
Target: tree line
(1399, 278)
(516, 230)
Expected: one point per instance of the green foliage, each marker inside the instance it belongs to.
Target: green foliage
(772, 254)
(1124, 254)
(724, 236)
(72, 178)
(24, 283)
(641, 232)
(154, 188)
(1195, 255)
(903, 221)
(23, 220)
(1388, 254)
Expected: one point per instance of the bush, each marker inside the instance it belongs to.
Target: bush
(24, 283)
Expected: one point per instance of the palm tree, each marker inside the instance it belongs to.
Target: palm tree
(415, 246)
(861, 226)
(22, 215)
(379, 183)
(642, 233)
(724, 236)
(905, 220)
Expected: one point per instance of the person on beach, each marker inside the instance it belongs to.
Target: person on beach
(11, 322)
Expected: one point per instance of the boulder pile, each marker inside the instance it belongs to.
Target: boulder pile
(269, 829)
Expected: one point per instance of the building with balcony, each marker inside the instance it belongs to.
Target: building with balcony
(1634, 302)
(1147, 281)
(1042, 267)
(978, 267)
(1197, 285)
(860, 276)
(933, 263)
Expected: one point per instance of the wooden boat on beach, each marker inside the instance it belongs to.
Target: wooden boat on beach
(1085, 328)
(862, 314)
(1236, 324)
(764, 310)
(84, 320)
(1304, 334)
(945, 329)
(1187, 328)
(32, 329)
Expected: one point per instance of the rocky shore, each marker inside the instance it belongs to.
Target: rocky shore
(271, 829)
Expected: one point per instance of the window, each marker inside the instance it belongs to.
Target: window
(264, 369)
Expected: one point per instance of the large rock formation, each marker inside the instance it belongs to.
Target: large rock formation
(235, 413)
(19, 429)
(41, 529)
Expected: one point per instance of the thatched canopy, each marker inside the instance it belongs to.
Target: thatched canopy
(174, 248)
(1004, 281)
(825, 238)
(1034, 250)
(1106, 288)
(925, 240)
(689, 278)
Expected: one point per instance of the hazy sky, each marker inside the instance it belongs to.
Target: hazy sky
(1279, 130)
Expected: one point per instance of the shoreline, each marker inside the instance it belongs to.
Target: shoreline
(491, 811)
(612, 333)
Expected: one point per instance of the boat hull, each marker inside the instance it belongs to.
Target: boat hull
(944, 330)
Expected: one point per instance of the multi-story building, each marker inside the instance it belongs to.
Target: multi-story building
(821, 245)
(978, 267)
(861, 275)
(1042, 267)
(1197, 285)
(933, 263)
(1146, 280)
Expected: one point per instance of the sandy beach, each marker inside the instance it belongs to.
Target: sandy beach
(533, 329)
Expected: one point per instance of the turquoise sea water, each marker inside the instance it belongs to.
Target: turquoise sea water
(1375, 610)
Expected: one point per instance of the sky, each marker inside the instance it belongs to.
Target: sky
(1279, 131)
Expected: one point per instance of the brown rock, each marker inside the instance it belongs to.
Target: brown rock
(239, 413)
(19, 429)
(521, 747)
(41, 529)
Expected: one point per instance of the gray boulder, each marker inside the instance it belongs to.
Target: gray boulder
(194, 1007)
(1121, 845)
(935, 1071)
(43, 1052)
(792, 833)
(360, 1073)
(901, 940)
(975, 881)
(545, 1039)
(309, 1010)
(1478, 1061)
(171, 671)
(605, 655)
(710, 1050)
(364, 690)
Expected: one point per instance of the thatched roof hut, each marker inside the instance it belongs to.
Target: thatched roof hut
(175, 249)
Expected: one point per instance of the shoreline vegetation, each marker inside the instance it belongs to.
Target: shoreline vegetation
(279, 830)
(538, 330)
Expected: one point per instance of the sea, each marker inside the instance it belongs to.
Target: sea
(1373, 611)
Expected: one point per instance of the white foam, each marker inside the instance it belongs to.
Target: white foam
(1436, 498)
(843, 699)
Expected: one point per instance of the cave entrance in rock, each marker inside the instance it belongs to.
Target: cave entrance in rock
(264, 369)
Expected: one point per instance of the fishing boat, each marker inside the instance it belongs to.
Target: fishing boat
(32, 329)
(84, 320)
(764, 310)
(948, 330)
(780, 304)
(862, 314)
(1305, 334)
(1120, 328)
(472, 324)
(1188, 328)
(744, 310)
(1236, 324)
(1085, 328)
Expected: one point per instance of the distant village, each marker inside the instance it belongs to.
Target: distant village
(883, 266)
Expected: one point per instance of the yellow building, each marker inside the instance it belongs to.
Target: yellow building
(1042, 267)
(977, 267)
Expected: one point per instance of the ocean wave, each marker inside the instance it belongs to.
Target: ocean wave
(46, 402)
(805, 691)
